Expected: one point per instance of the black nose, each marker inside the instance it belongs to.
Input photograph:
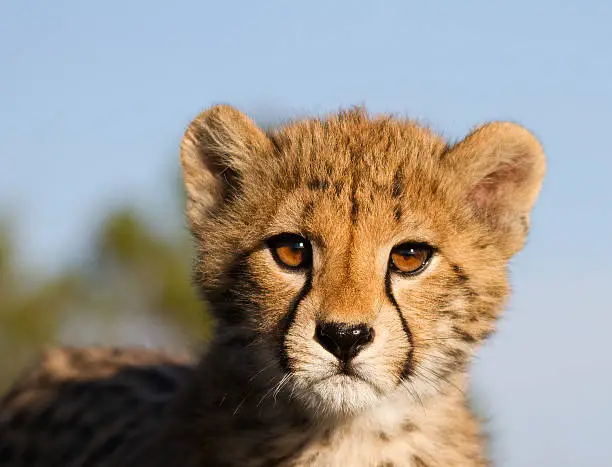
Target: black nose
(344, 341)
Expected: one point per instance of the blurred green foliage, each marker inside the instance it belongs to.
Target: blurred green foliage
(130, 271)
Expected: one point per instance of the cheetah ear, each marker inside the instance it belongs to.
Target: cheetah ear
(501, 166)
(215, 150)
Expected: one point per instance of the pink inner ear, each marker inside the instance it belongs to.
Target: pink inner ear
(506, 178)
(481, 194)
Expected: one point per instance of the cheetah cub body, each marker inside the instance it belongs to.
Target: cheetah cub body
(353, 265)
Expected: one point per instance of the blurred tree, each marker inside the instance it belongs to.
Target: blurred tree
(133, 271)
(141, 270)
(30, 315)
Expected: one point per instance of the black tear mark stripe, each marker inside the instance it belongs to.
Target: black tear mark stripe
(407, 370)
(287, 321)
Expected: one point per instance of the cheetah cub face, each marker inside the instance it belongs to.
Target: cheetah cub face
(365, 257)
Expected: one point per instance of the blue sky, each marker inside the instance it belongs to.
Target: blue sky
(94, 97)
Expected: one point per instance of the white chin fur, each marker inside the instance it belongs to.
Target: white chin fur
(339, 395)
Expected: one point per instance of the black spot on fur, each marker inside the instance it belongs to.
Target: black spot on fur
(457, 356)
(434, 187)
(462, 277)
(408, 426)
(383, 436)
(483, 244)
(318, 184)
(464, 335)
(338, 188)
(397, 212)
(354, 211)
(418, 462)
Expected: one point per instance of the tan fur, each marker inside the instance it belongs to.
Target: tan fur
(267, 392)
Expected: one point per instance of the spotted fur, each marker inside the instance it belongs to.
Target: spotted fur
(267, 392)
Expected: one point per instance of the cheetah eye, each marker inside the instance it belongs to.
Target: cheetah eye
(291, 250)
(410, 258)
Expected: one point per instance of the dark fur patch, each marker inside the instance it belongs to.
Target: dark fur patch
(326, 437)
(496, 291)
(418, 462)
(383, 436)
(318, 184)
(338, 186)
(483, 244)
(462, 277)
(234, 303)
(464, 335)
(108, 447)
(7, 453)
(354, 203)
(354, 211)
(434, 187)
(408, 426)
(397, 212)
(29, 456)
(240, 340)
(458, 358)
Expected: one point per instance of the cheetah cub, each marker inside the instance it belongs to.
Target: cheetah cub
(353, 265)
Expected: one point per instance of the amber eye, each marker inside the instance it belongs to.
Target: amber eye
(410, 258)
(291, 250)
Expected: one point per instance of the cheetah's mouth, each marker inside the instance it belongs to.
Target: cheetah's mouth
(345, 374)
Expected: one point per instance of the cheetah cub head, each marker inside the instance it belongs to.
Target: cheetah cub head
(366, 257)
